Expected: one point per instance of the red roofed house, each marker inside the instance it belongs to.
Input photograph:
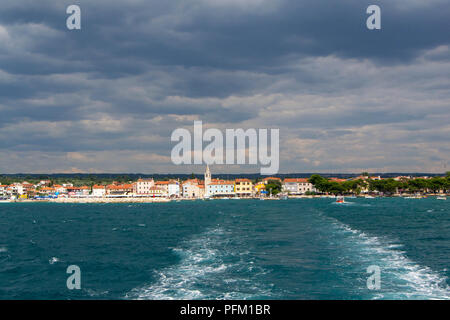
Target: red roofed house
(243, 187)
(98, 191)
(119, 189)
(193, 188)
(142, 186)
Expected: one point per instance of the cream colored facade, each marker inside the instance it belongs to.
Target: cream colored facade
(243, 187)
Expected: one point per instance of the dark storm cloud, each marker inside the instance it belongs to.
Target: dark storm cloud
(139, 69)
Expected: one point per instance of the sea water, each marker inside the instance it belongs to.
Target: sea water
(243, 249)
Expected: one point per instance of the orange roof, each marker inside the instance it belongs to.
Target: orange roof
(193, 181)
(221, 182)
(47, 189)
(243, 180)
(120, 186)
(162, 182)
(301, 180)
(271, 178)
(98, 187)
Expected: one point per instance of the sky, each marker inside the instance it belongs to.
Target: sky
(106, 98)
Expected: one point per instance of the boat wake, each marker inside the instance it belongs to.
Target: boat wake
(209, 268)
(401, 278)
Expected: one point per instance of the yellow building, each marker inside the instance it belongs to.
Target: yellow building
(243, 187)
(260, 186)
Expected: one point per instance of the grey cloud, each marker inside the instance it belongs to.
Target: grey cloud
(347, 98)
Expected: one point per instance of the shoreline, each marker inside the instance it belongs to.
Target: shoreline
(166, 200)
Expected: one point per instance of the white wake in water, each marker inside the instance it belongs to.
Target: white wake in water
(401, 278)
(209, 268)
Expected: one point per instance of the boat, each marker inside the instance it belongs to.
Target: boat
(369, 197)
(340, 200)
(441, 198)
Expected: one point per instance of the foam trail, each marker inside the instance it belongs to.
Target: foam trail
(401, 277)
(208, 269)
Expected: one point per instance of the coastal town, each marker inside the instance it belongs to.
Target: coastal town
(149, 190)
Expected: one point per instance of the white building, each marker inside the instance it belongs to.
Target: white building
(297, 186)
(173, 188)
(193, 189)
(143, 186)
(3, 190)
(17, 189)
(98, 191)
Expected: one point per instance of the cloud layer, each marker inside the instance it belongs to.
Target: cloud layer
(106, 98)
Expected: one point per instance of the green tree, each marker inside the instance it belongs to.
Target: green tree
(275, 185)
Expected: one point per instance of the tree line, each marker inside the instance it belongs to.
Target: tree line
(385, 186)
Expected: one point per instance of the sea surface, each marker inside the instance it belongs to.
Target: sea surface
(227, 249)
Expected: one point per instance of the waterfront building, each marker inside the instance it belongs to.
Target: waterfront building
(164, 185)
(98, 191)
(259, 187)
(78, 191)
(16, 189)
(60, 189)
(297, 186)
(3, 190)
(158, 192)
(173, 188)
(193, 188)
(119, 189)
(142, 186)
(243, 187)
(47, 191)
(219, 188)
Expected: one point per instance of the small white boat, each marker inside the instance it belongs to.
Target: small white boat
(369, 197)
(441, 198)
(340, 200)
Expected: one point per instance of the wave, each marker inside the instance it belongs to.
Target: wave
(401, 278)
(53, 260)
(209, 268)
